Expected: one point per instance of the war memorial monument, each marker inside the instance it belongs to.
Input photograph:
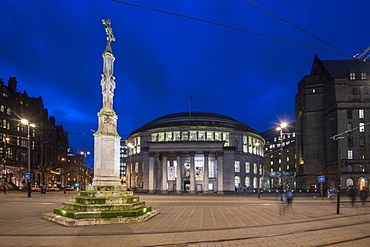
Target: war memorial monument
(106, 201)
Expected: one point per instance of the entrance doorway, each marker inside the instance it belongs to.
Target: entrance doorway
(186, 185)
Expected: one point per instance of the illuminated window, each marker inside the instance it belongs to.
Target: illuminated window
(217, 136)
(245, 144)
(154, 137)
(363, 75)
(169, 136)
(201, 136)
(350, 154)
(255, 168)
(237, 166)
(209, 135)
(161, 137)
(193, 135)
(247, 181)
(136, 167)
(225, 137)
(362, 127)
(237, 181)
(8, 111)
(352, 76)
(2, 108)
(199, 169)
(185, 136)
(255, 181)
(247, 167)
(177, 135)
(211, 169)
(361, 113)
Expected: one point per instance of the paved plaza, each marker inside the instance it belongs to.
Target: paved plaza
(192, 220)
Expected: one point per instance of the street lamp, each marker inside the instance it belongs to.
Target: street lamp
(24, 121)
(337, 138)
(280, 128)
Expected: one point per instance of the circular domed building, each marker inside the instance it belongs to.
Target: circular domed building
(194, 152)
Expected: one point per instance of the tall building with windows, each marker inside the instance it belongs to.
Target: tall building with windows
(332, 124)
(194, 152)
(48, 141)
(280, 158)
(122, 162)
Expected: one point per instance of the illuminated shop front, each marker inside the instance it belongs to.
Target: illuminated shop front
(201, 152)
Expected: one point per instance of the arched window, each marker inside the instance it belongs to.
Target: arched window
(247, 181)
(362, 183)
(255, 182)
(349, 182)
(237, 181)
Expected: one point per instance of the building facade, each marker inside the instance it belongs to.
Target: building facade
(280, 158)
(48, 141)
(194, 152)
(72, 172)
(332, 117)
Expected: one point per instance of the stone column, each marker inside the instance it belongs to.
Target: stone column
(151, 172)
(192, 173)
(220, 172)
(206, 173)
(178, 173)
(164, 173)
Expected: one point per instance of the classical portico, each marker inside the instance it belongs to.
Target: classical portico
(184, 168)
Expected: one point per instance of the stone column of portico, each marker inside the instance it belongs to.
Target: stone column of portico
(164, 173)
(151, 172)
(178, 173)
(192, 173)
(220, 172)
(205, 173)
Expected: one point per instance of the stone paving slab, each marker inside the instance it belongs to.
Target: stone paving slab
(192, 220)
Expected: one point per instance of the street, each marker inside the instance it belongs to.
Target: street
(193, 220)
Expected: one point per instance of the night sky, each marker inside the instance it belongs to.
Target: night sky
(54, 49)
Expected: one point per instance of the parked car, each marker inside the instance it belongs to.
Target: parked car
(54, 189)
(35, 188)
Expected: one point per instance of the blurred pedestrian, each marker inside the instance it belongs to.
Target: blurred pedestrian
(289, 198)
(352, 196)
(363, 196)
(281, 192)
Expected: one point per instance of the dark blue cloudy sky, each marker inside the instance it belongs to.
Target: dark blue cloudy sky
(54, 49)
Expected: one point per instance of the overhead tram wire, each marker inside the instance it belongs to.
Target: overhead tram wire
(344, 53)
(236, 28)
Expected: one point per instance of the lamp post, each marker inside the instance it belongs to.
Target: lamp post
(337, 138)
(24, 121)
(280, 128)
(4, 162)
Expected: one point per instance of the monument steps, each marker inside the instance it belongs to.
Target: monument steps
(101, 205)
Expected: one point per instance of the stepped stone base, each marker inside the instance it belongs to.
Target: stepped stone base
(101, 205)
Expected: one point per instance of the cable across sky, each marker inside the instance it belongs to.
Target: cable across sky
(245, 30)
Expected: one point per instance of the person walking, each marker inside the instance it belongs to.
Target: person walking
(363, 196)
(352, 196)
(289, 198)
